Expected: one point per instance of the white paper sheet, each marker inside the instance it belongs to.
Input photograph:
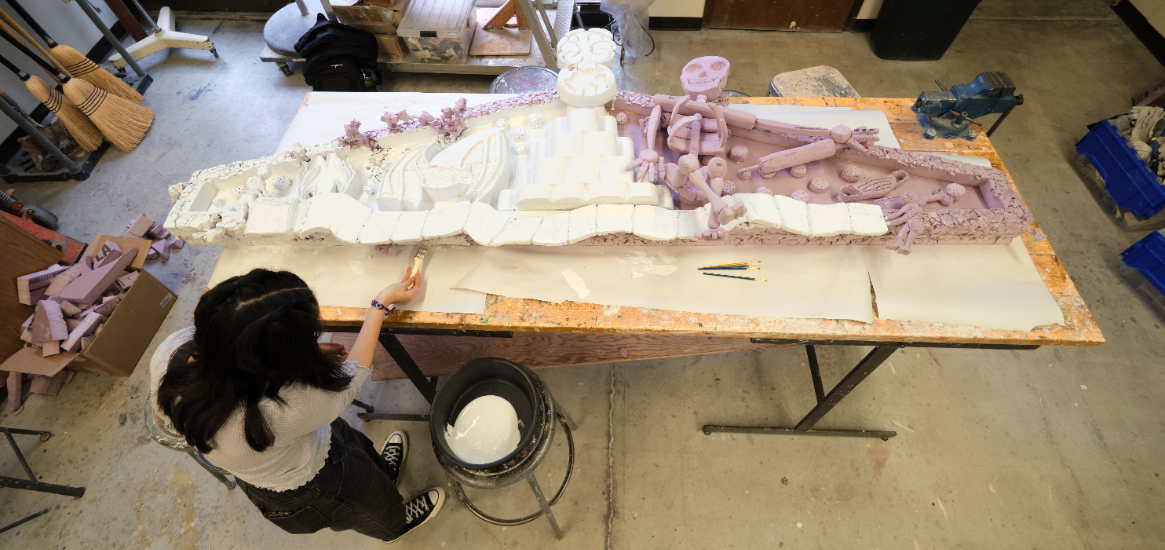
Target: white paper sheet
(828, 282)
(351, 276)
(828, 119)
(988, 286)
(324, 114)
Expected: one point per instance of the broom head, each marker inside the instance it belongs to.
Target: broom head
(79, 126)
(123, 123)
(81, 67)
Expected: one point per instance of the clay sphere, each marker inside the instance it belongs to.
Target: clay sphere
(765, 190)
(851, 173)
(819, 185)
(738, 153)
(798, 171)
(622, 119)
(800, 195)
(729, 188)
(281, 183)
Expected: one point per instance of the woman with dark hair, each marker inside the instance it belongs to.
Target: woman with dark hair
(249, 387)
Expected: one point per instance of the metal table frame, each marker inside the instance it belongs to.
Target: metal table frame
(826, 402)
(32, 484)
(426, 385)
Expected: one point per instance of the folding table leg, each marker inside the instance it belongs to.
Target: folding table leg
(825, 403)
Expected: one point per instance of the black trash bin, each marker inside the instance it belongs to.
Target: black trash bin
(919, 30)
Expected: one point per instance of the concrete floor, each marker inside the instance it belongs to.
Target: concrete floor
(1054, 448)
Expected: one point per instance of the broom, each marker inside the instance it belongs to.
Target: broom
(79, 126)
(123, 122)
(74, 62)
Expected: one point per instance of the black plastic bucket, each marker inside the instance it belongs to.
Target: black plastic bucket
(488, 376)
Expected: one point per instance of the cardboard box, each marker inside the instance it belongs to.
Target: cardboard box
(123, 339)
(377, 19)
(391, 46)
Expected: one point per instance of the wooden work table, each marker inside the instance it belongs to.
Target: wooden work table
(579, 333)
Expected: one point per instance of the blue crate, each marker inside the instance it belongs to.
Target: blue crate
(1148, 256)
(1126, 179)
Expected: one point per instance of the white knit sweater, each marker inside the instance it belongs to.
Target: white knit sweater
(301, 427)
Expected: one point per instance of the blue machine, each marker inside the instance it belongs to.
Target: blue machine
(950, 113)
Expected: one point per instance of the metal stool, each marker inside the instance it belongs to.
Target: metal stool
(524, 79)
(168, 438)
(534, 404)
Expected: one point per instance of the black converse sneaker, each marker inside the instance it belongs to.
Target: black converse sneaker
(421, 509)
(395, 451)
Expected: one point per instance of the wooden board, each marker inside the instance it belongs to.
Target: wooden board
(441, 355)
(23, 253)
(503, 41)
(780, 15)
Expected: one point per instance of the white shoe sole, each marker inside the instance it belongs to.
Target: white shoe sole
(436, 510)
(404, 453)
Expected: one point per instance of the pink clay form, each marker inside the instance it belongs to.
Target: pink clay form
(800, 195)
(765, 190)
(819, 185)
(798, 171)
(729, 188)
(738, 153)
(851, 173)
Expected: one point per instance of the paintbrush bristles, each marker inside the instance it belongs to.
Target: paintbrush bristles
(87, 136)
(81, 67)
(123, 123)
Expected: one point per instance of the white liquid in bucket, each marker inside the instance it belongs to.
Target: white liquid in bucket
(486, 431)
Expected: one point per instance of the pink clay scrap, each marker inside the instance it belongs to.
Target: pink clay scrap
(738, 153)
(800, 195)
(798, 171)
(765, 190)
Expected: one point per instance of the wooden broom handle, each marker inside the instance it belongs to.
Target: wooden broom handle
(28, 37)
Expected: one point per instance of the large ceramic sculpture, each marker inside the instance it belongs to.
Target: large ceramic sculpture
(590, 165)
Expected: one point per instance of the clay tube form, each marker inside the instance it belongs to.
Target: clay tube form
(769, 165)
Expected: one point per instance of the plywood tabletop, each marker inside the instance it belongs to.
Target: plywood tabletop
(513, 314)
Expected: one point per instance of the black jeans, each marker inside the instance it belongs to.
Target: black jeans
(353, 491)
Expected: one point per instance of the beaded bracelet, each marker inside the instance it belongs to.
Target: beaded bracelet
(387, 309)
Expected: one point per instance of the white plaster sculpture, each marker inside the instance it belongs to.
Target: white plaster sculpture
(586, 84)
(593, 45)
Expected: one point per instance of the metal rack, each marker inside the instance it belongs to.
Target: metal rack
(546, 25)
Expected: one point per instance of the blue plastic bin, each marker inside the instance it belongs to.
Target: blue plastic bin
(1126, 179)
(1148, 256)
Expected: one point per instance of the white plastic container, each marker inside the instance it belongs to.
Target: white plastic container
(439, 31)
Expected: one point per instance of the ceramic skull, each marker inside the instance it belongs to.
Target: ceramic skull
(705, 76)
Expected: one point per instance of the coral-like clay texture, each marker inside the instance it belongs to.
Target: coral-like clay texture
(765, 190)
(800, 195)
(729, 188)
(621, 119)
(738, 153)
